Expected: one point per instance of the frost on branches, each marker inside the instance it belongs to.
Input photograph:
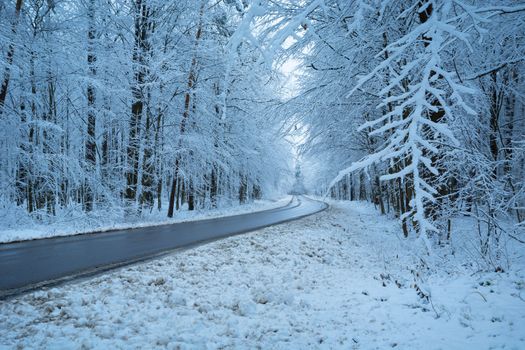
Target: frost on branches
(419, 93)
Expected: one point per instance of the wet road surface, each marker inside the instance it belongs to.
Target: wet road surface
(32, 264)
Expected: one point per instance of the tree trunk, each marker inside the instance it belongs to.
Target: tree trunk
(213, 188)
(171, 206)
(91, 159)
(139, 63)
(9, 58)
(495, 108)
(158, 159)
(242, 189)
(187, 105)
(148, 165)
(191, 195)
(436, 117)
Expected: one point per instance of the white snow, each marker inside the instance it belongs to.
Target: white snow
(75, 223)
(341, 279)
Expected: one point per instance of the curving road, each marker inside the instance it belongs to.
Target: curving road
(32, 264)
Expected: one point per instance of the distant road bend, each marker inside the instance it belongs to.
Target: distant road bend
(32, 264)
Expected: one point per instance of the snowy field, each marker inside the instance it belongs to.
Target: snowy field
(78, 222)
(341, 279)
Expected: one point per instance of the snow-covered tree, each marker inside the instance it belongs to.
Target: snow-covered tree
(106, 105)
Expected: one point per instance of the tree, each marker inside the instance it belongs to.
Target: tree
(110, 103)
(91, 146)
(9, 57)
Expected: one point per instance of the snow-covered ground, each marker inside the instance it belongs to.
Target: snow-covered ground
(78, 222)
(341, 279)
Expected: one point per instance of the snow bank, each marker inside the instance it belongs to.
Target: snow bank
(77, 222)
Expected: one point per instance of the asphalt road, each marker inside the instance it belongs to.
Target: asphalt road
(32, 264)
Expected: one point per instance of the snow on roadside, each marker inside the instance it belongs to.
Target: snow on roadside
(341, 279)
(104, 221)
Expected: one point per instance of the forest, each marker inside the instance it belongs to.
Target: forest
(262, 174)
(426, 113)
(140, 106)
